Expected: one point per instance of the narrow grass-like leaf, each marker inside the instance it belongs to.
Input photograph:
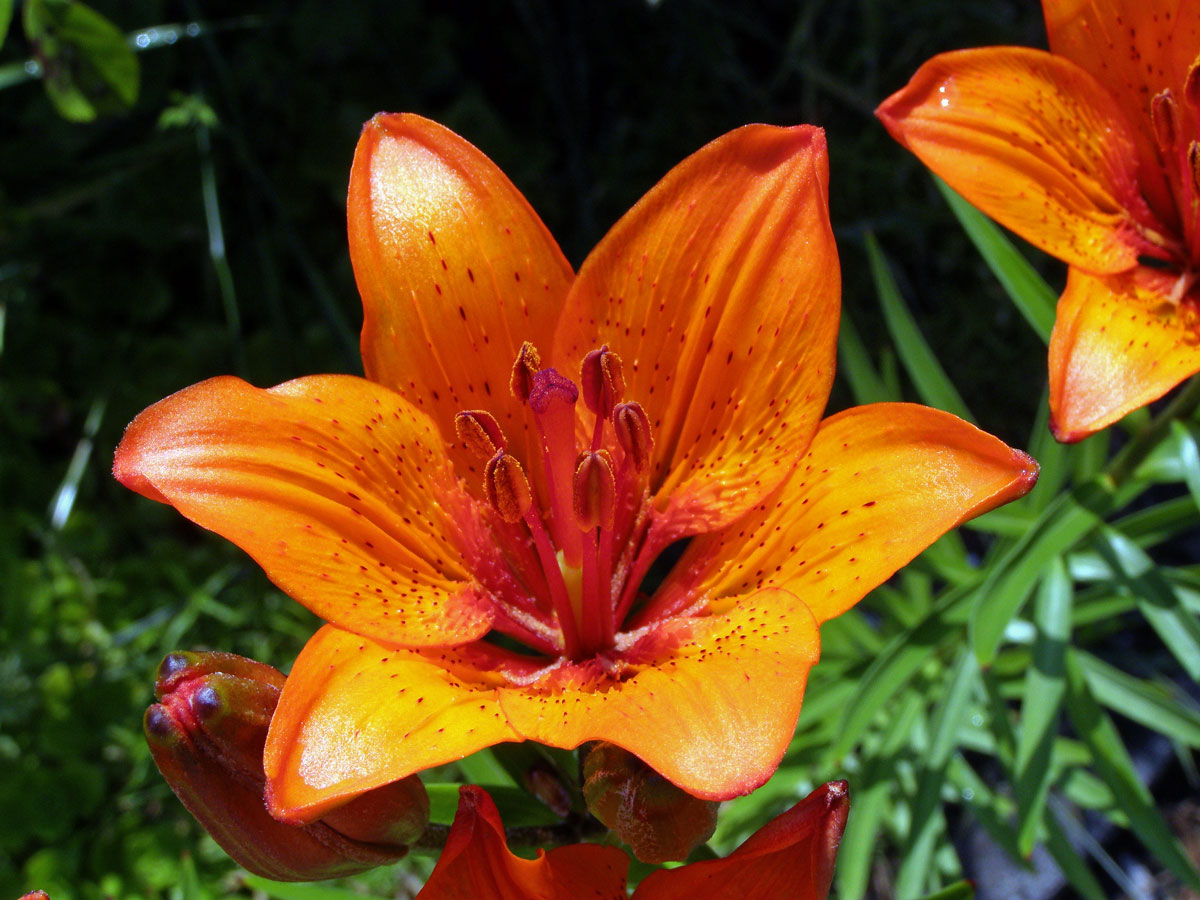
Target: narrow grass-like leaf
(1156, 598)
(1142, 701)
(517, 807)
(963, 890)
(1045, 686)
(985, 804)
(1033, 298)
(1054, 459)
(1074, 868)
(1189, 458)
(483, 768)
(926, 816)
(930, 380)
(1114, 766)
(855, 364)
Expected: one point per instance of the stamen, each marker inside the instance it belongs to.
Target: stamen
(552, 399)
(506, 487)
(603, 387)
(1191, 85)
(1164, 114)
(595, 490)
(633, 433)
(527, 365)
(480, 432)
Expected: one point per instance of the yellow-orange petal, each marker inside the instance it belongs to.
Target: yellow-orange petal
(455, 271)
(357, 713)
(476, 863)
(711, 703)
(337, 487)
(1032, 140)
(880, 483)
(1118, 344)
(792, 857)
(719, 290)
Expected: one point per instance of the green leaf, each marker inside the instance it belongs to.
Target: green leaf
(855, 364)
(1033, 298)
(6, 14)
(1076, 870)
(1114, 766)
(289, 891)
(931, 382)
(517, 807)
(1045, 687)
(1189, 457)
(484, 768)
(1156, 598)
(963, 890)
(1142, 701)
(89, 69)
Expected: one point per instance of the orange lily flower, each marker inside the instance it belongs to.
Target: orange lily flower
(789, 858)
(1089, 152)
(479, 540)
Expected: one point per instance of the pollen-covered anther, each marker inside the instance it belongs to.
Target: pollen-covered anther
(506, 487)
(595, 490)
(1191, 85)
(1193, 158)
(524, 369)
(480, 433)
(632, 428)
(1164, 114)
(603, 381)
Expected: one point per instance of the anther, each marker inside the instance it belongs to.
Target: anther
(633, 433)
(1193, 158)
(506, 487)
(595, 490)
(524, 369)
(1164, 114)
(1191, 85)
(602, 381)
(480, 432)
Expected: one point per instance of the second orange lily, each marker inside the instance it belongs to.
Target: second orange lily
(477, 521)
(1092, 153)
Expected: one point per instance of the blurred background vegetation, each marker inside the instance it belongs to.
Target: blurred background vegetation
(172, 190)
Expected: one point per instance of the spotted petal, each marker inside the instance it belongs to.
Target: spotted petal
(455, 271)
(337, 487)
(879, 484)
(720, 292)
(476, 863)
(1118, 344)
(357, 713)
(1032, 140)
(709, 703)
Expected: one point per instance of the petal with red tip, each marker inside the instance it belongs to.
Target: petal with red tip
(719, 291)
(709, 703)
(1118, 344)
(356, 714)
(455, 271)
(337, 487)
(880, 483)
(792, 857)
(476, 863)
(1032, 140)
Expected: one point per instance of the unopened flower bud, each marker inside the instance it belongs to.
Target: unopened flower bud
(206, 734)
(659, 821)
(546, 784)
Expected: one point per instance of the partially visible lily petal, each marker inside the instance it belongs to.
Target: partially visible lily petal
(880, 483)
(1118, 344)
(719, 290)
(710, 703)
(455, 271)
(1032, 140)
(789, 858)
(337, 487)
(356, 714)
(476, 863)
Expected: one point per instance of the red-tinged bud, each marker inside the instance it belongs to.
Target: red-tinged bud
(35, 895)
(206, 735)
(658, 821)
(632, 427)
(545, 784)
(506, 487)
(595, 490)
(527, 365)
(1191, 85)
(603, 382)
(481, 433)
(1164, 115)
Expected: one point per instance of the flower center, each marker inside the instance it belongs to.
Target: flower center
(588, 497)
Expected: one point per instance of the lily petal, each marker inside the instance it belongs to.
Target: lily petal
(1032, 140)
(455, 271)
(711, 704)
(792, 857)
(357, 713)
(720, 290)
(476, 863)
(337, 487)
(1118, 343)
(880, 483)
